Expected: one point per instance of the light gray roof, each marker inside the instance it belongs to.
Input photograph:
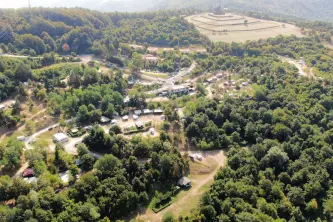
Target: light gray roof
(184, 181)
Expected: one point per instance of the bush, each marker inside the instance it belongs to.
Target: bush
(115, 129)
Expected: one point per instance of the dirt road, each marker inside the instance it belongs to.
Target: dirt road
(189, 199)
(300, 66)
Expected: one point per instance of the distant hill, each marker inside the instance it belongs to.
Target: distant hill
(309, 9)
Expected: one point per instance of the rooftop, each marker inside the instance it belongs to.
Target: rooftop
(158, 111)
(184, 50)
(137, 112)
(105, 119)
(152, 49)
(184, 181)
(139, 124)
(151, 58)
(28, 172)
(60, 136)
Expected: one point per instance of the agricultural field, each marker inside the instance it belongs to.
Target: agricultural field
(236, 28)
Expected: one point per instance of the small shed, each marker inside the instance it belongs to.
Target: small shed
(28, 173)
(135, 117)
(139, 124)
(88, 128)
(185, 182)
(125, 118)
(158, 111)
(220, 75)
(147, 111)
(105, 120)
(2, 107)
(20, 138)
(137, 112)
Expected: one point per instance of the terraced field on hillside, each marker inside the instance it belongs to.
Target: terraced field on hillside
(236, 28)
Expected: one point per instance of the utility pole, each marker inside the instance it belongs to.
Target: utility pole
(29, 5)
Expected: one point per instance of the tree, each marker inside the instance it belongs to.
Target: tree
(82, 149)
(30, 127)
(209, 212)
(109, 111)
(87, 162)
(107, 165)
(168, 217)
(65, 48)
(275, 158)
(115, 129)
(136, 62)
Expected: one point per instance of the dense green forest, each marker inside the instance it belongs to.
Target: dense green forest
(41, 30)
(280, 151)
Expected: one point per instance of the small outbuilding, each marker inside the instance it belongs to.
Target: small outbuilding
(28, 173)
(88, 128)
(139, 124)
(105, 120)
(137, 112)
(20, 138)
(158, 111)
(2, 107)
(185, 182)
(60, 138)
(125, 118)
(147, 111)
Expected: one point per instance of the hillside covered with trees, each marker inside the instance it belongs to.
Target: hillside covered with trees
(41, 30)
(278, 136)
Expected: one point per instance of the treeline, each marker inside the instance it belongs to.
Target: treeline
(41, 30)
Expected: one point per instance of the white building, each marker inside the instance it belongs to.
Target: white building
(158, 111)
(20, 138)
(220, 75)
(179, 89)
(137, 112)
(2, 107)
(147, 111)
(104, 119)
(211, 80)
(60, 138)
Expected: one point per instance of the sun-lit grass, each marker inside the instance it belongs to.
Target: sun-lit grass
(156, 75)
